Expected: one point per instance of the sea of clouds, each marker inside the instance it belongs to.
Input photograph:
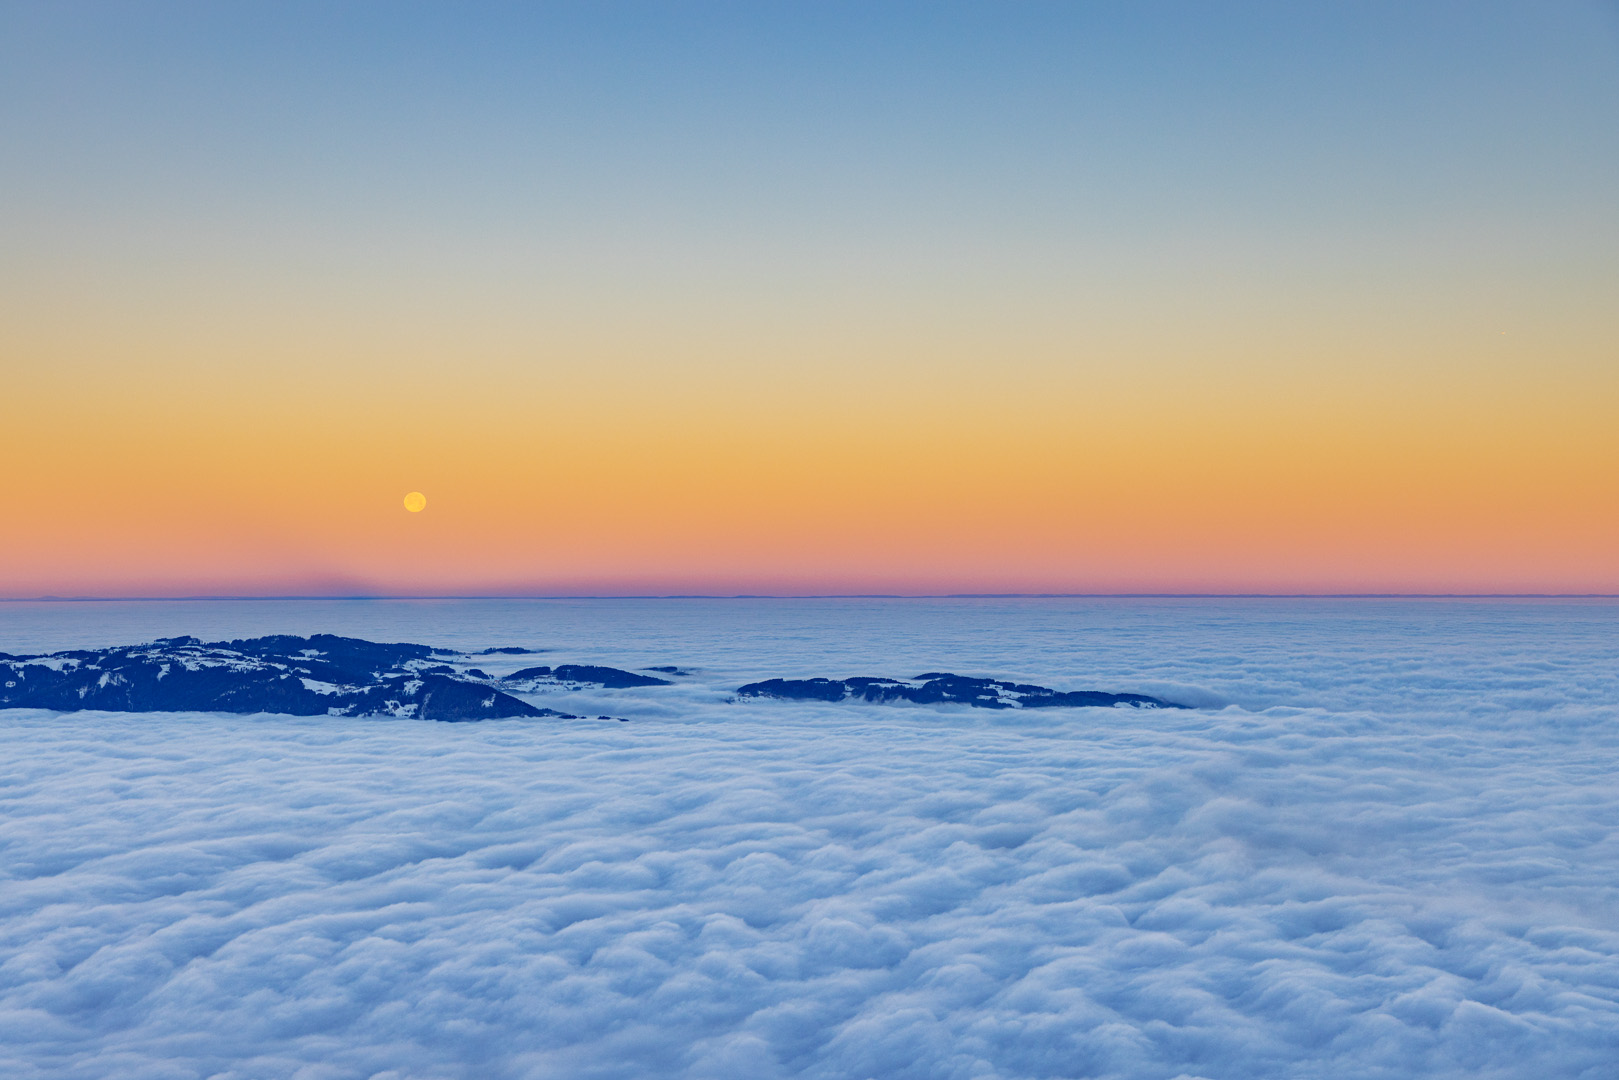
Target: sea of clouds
(1385, 848)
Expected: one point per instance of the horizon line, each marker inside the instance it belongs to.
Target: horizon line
(213, 597)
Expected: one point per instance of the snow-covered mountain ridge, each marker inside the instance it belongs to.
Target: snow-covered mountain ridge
(325, 674)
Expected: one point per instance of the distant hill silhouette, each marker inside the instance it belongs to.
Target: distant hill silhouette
(304, 676)
(937, 687)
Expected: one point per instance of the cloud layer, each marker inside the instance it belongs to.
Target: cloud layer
(763, 889)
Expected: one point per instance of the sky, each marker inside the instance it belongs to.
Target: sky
(808, 298)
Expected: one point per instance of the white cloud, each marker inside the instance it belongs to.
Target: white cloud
(1380, 869)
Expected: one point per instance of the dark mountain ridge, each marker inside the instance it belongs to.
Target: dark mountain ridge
(320, 675)
(328, 675)
(939, 687)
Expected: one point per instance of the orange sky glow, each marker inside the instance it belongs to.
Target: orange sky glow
(990, 318)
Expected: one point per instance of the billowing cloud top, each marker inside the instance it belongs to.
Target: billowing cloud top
(1409, 868)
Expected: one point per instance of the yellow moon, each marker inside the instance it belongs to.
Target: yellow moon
(415, 502)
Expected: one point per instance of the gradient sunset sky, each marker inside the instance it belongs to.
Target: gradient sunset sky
(809, 298)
